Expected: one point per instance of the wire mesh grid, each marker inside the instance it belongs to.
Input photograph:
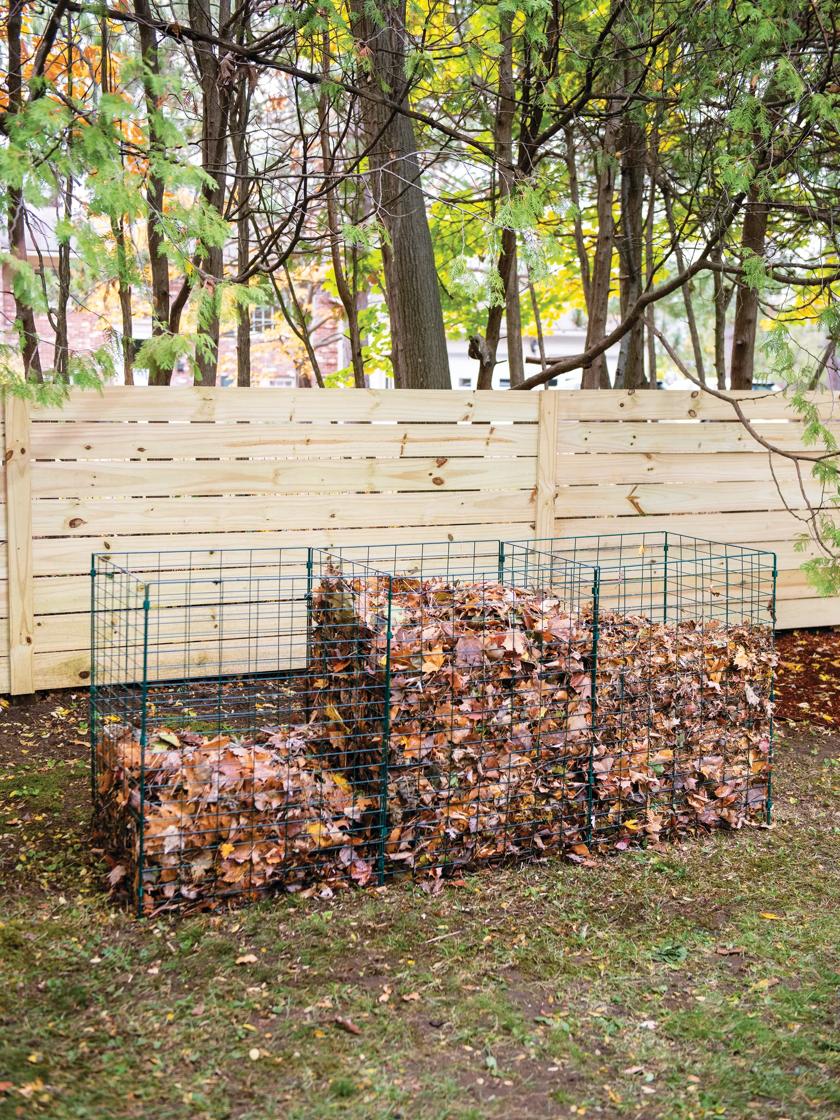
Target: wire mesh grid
(294, 718)
(682, 682)
(487, 741)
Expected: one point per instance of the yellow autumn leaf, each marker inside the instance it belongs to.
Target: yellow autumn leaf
(333, 714)
(769, 916)
(226, 850)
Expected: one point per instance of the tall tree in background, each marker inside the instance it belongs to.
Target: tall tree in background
(635, 167)
(418, 340)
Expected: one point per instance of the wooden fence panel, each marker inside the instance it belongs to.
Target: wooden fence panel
(206, 469)
(684, 462)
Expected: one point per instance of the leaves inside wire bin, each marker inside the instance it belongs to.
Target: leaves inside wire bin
(222, 817)
(494, 747)
(494, 750)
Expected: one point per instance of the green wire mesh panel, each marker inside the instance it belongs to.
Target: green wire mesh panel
(682, 683)
(211, 780)
(302, 719)
(486, 748)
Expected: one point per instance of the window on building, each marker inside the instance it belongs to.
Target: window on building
(504, 382)
(262, 319)
(465, 383)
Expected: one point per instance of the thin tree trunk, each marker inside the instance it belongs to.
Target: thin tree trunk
(243, 241)
(62, 338)
(687, 290)
(160, 373)
(486, 349)
(742, 363)
(504, 152)
(345, 294)
(299, 326)
(215, 113)
(24, 314)
(721, 298)
(574, 194)
(650, 314)
(595, 376)
(418, 340)
(535, 308)
(118, 233)
(630, 373)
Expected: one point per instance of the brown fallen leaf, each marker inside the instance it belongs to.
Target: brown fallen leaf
(247, 958)
(346, 1025)
(411, 997)
(116, 873)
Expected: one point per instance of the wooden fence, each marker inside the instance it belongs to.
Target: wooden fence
(205, 468)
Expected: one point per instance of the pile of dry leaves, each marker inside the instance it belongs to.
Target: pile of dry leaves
(220, 817)
(493, 745)
(489, 725)
(489, 715)
(683, 727)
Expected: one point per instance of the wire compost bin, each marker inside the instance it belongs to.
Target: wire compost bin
(302, 719)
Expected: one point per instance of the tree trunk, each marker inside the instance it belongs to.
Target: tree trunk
(215, 114)
(504, 154)
(418, 341)
(243, 240)
(118, 233)
(595, 376)
(650, 314)
(722, 298)
(630, 373)
(296, 319)
(61, 359)
(535, 309)
(574, 195)
(687, 291)
(753, 237)
(486, 349)
(24, 314)
(160, 373)
(345, 293)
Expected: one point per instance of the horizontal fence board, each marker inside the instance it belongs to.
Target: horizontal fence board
(289, 406)
(234, 625)
(681, 404)
(808, 612)
(640, 499)
(747, 528)
(683, 437)
(55, 556)
(670, 468)
(234, 477)
(69, 668)
(296, 512)
(265, 440)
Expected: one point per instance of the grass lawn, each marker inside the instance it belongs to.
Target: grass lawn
(699, 981)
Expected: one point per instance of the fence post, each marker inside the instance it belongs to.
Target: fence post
(546, 489)
(16, 416)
